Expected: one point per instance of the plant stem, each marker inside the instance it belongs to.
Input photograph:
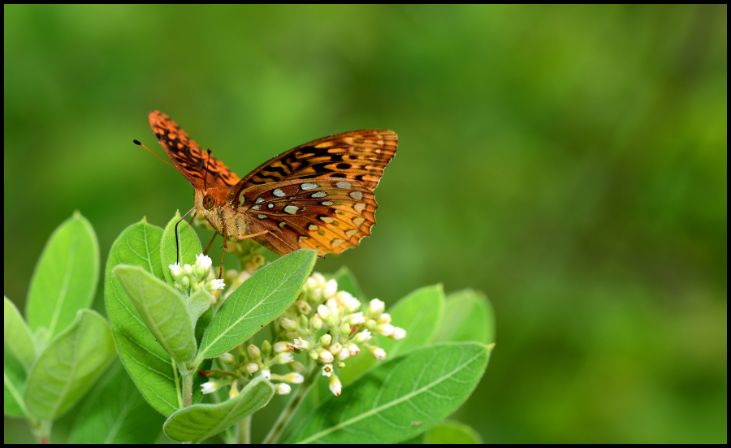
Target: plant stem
(42, 430)
(288, 412)
(187, 387)
(245, 431)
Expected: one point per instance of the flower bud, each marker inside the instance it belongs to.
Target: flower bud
(385, 329)
(287, 323)
(399, 333)
(336, 387)
(384, 318)
(316, 322)
(266, 347)
(227, 358)
(323, 311)
(234, 391)
(363, 336)
(210, 386)
(331, 287)
(293, 378)
(326, 357)
(283, 358)
(282, 388)
(376, 306)
(301, 344)
(253, 351)
(252, 367)
(266, 374)
(281, 346)
(326, 339)
(378, 353)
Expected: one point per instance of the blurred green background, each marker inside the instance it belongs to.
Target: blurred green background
(570, 161)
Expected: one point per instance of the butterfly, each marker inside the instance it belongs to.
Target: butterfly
(318, 195)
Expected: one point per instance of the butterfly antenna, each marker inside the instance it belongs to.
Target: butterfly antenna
(205, 176)
(143, 146)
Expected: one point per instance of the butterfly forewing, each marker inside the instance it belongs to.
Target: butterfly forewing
(190, 160)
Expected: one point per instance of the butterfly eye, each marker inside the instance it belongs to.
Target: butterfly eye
(208, 202)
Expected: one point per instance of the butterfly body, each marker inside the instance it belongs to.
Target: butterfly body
(318, 195)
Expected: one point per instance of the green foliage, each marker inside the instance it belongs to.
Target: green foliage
(145, 360)
(65, 277)
(451, 432)
(115, 412)
(201, 421)
(399, 399)
(162, 308)
(69, 366)
(262, 298)
(17, 336)
(468, 316)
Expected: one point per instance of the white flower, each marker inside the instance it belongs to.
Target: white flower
(331, 287)
(386, 329)
(301, 344)
(210, 386)
(349, 302)
(376, 306)
(343, 355)
(323, 311)
(266, 374)
(356, 318)
(216, 283)
(399, 333)
(227, 358)
(379, 353)
(326, 357)
(288, 324)
(252, 367)
(352, 348)
(176, 271)
(363, 336)
(327, 370)
(336, 387)
(283, 358)
(203, 264)
(282, 388)
(293, 378)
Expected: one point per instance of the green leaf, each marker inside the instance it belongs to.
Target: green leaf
(347, 282)
(198, 304)
(452, 433)
(17, 335)
(69, 366)
(399, 399)
(190, 245)
(258, 301)
(201, 421)
(115, 412)
(14, 385)
(468, 316)
(148, 364)
(162, 308)
(65, 278)
(419, 314)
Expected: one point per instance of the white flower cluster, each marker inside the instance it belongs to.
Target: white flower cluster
(192, 278)
(332, 326)
(257, 361)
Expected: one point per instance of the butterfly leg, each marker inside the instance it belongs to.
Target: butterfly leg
(177, 241)
(223, 254)
(210, 243)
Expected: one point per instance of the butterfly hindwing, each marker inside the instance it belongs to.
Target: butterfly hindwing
(327, 214)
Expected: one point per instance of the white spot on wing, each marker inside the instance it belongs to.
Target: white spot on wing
(357, 195)
(318, 194)
(278, 193)
(343, 184)
(291, 209)
(308, 186)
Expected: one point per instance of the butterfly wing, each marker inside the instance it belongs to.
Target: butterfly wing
(318, 195)
(190, 160)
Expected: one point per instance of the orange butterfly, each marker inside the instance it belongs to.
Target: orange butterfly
(317, 196)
